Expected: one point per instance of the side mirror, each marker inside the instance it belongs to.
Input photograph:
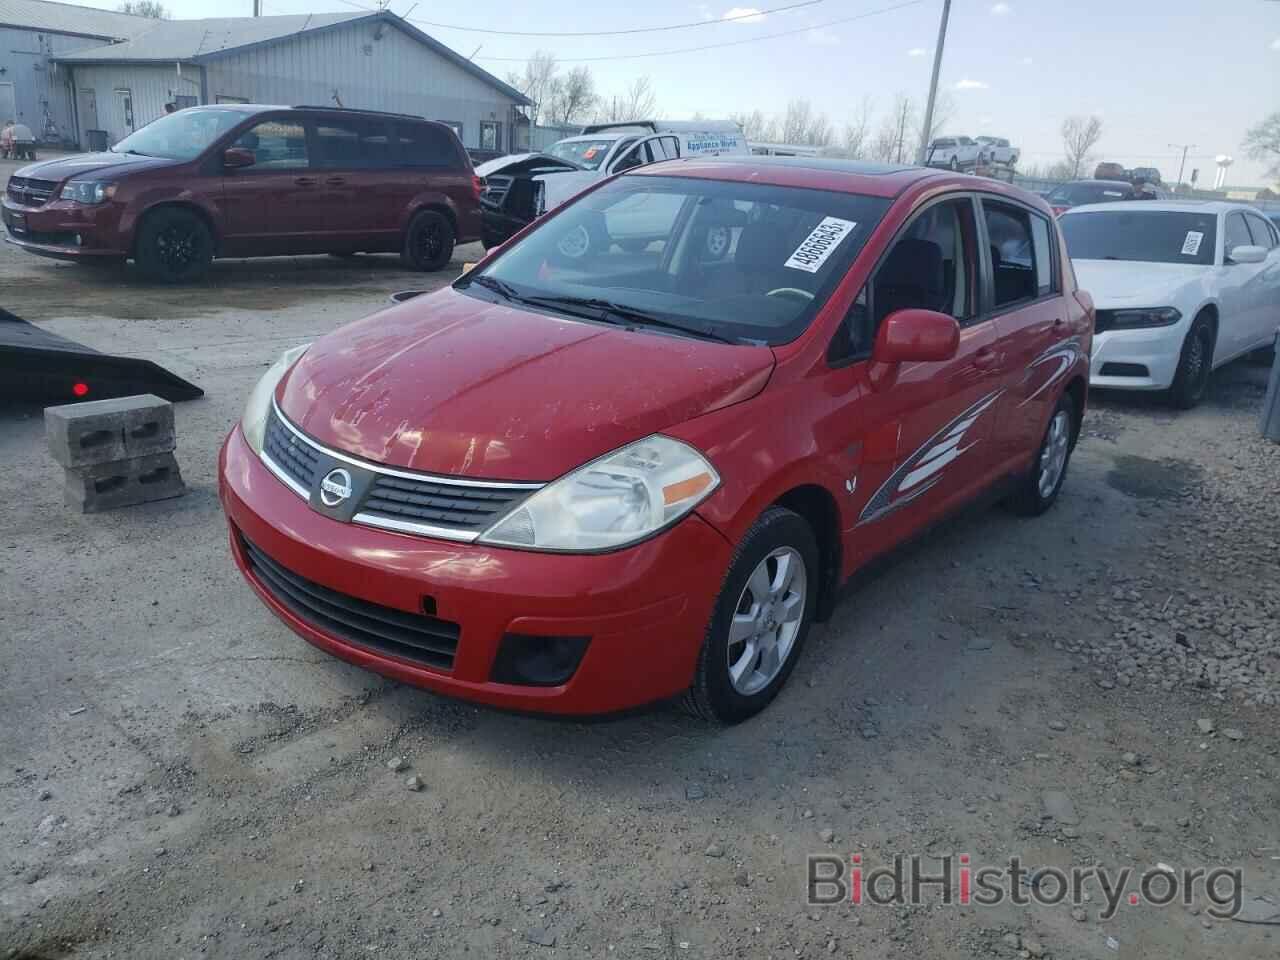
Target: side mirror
(916, 336)
(1247, 253)
(235, 158)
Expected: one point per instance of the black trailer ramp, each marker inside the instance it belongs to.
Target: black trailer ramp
(38, 365)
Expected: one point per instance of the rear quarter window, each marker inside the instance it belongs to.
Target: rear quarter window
(425, 145)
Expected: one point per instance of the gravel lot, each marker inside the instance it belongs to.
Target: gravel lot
(180, 776)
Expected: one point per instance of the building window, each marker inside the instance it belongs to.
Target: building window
(182, 102)
(490, 135)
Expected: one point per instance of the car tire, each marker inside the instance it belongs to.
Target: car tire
(1195, 364)
(955, 163)
(428, 242)
(1038, 488)
(174, 245)
(749, 649)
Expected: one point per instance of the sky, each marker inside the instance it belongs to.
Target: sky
(1182, 72)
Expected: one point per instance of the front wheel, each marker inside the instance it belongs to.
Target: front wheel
(760, 621)
(1195, 363)
(428, 243)
(1038, 489)
(174, 246)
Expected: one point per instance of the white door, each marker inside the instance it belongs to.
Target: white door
(122, 120)
(8, 103)
(1236, 290)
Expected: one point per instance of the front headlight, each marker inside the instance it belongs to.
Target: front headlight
(623, 497)
(256, 411)
(1136, 319)
(88, 191)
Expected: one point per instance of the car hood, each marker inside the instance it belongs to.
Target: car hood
(80, 164)
(518, 163)
(1126, 283)
(451, 384)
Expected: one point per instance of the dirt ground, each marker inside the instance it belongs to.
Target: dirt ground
(181, 776)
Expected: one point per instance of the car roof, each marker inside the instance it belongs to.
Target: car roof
(1164, 206)
(826, 173)
(1098, 183)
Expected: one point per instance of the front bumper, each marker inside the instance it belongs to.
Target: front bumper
(64, 230)
(645, 608)
(1121, 352)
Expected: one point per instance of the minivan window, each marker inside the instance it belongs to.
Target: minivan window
(181, 136)
(424, 145)
(1155, 236)
(352, 143)
(275, 145)
(740, 261)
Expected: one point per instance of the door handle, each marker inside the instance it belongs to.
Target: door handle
(986, 359)
(305, 181)
(336, 181)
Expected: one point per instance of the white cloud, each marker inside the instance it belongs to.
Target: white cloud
(917, 52)
(1275, 44)
(1000, 9)
(822, 38)
(967, 84)
(1027, 61)
(743, 15)
(704, 11)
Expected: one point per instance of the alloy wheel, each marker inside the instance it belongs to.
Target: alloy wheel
(767, 620)
(176, 247)
(1053, 457)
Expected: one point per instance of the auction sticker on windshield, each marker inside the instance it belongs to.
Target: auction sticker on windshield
(1191, 245)
(820, 244)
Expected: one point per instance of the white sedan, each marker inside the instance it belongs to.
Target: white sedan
(1180, 288)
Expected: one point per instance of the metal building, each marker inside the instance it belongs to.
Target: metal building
(32, 34)
(369, 60)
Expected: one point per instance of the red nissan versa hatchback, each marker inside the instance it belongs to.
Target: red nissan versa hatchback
(589, 476)
(244, 180)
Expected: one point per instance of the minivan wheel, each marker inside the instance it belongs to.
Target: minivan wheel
(1038, 488)
(760, 621)
(1195, 364)
(428, 242)
(174, 246)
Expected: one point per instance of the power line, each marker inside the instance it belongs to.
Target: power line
(719, 46)
(618, 33)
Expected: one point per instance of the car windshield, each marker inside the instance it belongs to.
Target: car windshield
(1149, 236)
(1081, 193)
(181, 136)
(588, 154)
(744, 262)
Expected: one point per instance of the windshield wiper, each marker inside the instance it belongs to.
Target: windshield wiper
(629, 316)
(500, 287)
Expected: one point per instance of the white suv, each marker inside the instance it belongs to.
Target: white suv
(956, 153)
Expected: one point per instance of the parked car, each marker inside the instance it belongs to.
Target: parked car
(999, 151)
(1146, 175)
(956, 153)
(246, 181)
(587, 479)
(522, 187)
(1078, 192)
(1107, 170)
(17, 142)
(1181, 288)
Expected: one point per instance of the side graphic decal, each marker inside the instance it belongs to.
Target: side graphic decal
(924, 468)
(1064, 354)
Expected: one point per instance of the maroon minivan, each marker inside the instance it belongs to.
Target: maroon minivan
(244, 180)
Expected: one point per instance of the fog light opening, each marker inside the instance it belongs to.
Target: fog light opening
(538, 661)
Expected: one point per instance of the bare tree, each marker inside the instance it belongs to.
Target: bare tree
(1263, 143)
(884, 147)
(903, 119)
(944, 108)
(144, 8)
(636, 102)
(537, 82)
(1079, 136)
(858, 131)
(800, 125)
(756, 127)
(573, 96)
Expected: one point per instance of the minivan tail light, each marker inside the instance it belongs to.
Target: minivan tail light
(477, 185)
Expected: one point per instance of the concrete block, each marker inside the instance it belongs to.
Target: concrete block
(100, 431)
(122, 483)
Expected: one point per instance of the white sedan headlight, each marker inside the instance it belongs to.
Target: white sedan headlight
(623, 497)
(256, 411)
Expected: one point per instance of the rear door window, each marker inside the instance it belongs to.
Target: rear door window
(1013, 266)
(1237, 234)
(1040, 235)
(352, 143)
(423, 145)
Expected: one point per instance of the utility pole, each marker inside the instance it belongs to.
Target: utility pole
(933, 82)
(1184, 147)
(257, 8)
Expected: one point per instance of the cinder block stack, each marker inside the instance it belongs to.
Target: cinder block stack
(115, 453)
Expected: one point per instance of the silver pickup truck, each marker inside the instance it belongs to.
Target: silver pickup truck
(955, 153)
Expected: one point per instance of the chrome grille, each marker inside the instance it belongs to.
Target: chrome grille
(31, 193)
